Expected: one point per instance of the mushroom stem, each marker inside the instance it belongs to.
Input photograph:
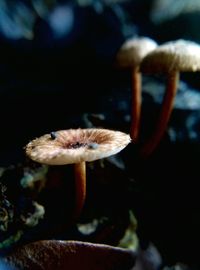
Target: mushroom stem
(167, 106)
(80, 183)
(135, 104)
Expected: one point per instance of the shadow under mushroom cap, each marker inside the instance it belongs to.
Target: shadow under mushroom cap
(76, 145)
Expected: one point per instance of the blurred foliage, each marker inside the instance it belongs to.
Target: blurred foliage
(163, 10)
(18, 18)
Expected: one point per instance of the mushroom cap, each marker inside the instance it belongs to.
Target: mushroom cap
(179, 55)
(133, 51)
(76, 145)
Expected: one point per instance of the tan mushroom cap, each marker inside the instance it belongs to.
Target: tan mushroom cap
(179, 55)
(133, 51)
(76, 145)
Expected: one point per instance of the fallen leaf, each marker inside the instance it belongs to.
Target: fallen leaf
(57, 255)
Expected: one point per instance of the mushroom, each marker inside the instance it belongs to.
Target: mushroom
(170, 58)
(76, 146)
(130, 56)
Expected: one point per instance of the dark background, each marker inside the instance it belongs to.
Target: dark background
(49, 81)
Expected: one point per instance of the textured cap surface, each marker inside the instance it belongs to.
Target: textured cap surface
(180, 55)
(76, 145)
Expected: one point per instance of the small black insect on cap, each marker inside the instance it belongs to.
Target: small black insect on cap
(53, 135)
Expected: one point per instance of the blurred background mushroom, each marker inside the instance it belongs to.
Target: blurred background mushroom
(130, 56)
(170, 58)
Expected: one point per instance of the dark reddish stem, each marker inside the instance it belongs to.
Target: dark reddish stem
(166, 109)
(80, 183)
(135, 104)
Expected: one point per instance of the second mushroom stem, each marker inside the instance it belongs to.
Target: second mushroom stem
(135, 104)
(80, 186)
(166, 109)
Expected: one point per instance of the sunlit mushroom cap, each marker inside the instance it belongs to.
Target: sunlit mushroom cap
(76, 145)
(178, 55)
(133, 50)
